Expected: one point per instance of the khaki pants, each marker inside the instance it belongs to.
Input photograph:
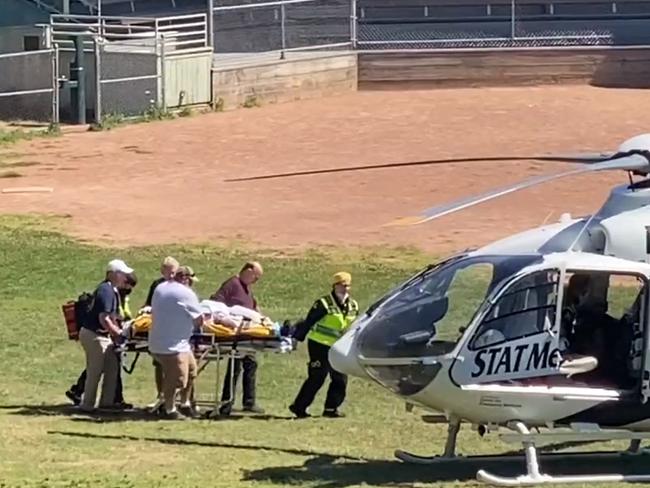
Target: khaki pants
(179, 372)
(101, 360)
(158, 374)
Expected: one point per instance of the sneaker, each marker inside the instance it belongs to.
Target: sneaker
(253, 409)
(116, 406)
(225, 410)
(301, 414)
(189, 412)
(73, 397)
(152, 407)
(123, 405)
(156, 404)
(85, 409)
(333, 414)
(175, 415)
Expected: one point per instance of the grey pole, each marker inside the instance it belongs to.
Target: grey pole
(78, 74)
(353, 23)
(99, 18)
(98, 80)
(512, 19)
(55, 84)
(163, 73)
(283, 19)
(210, 25)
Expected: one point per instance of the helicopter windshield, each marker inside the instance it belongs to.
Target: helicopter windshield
(425, 316)
(437, 303)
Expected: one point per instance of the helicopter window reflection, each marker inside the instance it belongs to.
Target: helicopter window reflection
(527, 307)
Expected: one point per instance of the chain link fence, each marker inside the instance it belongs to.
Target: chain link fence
(430, 24)
(129, 81)
(28, 88)
(282, 26)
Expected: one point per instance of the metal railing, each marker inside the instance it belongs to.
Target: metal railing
(46, 6)
(182, 33)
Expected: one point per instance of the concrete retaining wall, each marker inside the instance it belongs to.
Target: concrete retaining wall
(241, 81)
(624, 67)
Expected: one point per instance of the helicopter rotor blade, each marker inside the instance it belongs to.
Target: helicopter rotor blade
(579, 158)
(628, 163)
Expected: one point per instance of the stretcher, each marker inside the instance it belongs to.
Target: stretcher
(211, 344)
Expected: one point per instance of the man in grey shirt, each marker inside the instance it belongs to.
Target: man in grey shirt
(176, 312)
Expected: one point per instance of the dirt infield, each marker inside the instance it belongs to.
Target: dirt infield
(163, 182)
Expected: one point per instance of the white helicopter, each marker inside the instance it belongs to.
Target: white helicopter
(547, 330)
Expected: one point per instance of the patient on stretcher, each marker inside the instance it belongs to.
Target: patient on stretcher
(224, 321)
(232, 317)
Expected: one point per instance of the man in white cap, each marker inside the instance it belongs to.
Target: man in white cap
(96, 337)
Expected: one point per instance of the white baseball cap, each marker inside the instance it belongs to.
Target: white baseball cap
(117, 265)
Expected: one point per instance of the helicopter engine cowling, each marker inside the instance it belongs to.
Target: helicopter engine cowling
(627, 235)
(624, 220)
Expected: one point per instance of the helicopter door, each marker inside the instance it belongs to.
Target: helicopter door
(517, 336)
(644, 322)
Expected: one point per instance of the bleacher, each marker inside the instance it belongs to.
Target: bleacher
(396, 11)
(146, 7)
(127, 7)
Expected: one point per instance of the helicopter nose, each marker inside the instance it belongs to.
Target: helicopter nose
(343, 356)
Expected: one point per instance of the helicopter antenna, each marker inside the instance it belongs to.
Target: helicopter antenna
(584, 227)
(547, 217)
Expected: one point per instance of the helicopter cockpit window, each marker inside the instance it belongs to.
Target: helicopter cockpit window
(426, 317)
(525, 308)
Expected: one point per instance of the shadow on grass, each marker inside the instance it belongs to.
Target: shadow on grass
(327, 470)
(324, 457)
(136, 414)
(316, 473)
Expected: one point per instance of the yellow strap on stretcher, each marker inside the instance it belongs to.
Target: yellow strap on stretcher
(142, 325)
(253, 331)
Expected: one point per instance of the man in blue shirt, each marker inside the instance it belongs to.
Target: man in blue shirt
(97, 336)
(76, 391)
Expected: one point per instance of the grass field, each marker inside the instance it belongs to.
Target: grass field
(46, 443)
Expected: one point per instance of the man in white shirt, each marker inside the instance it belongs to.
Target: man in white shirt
(175, 312)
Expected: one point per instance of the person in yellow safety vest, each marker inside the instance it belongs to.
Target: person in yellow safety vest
(123, 308)
(327, 320)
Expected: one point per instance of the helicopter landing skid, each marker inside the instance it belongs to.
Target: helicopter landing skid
(450, 447)
(535, 477)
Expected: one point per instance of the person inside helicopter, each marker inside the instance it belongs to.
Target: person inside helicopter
(590, 333)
